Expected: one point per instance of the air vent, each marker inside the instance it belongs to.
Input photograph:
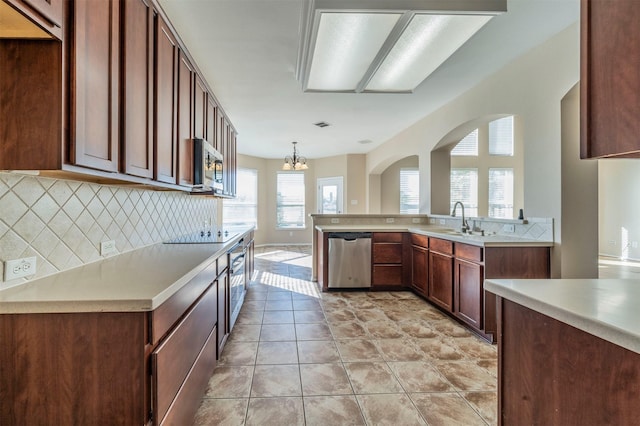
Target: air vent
(321, 124)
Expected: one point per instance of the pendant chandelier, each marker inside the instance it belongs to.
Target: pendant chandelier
(295, 161)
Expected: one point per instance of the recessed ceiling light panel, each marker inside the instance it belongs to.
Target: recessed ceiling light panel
(346, 44)
(424, 45)
(383, 46)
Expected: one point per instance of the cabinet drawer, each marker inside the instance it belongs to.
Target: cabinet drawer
(387, 237)
(420, 240)
(163, 318)
(441, 246)
(174, 358)
(387, 253)
(387, 275)
(190, 395)
(466, 251)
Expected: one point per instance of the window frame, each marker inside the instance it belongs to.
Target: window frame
(415, 173)
(279, 205)
(235, 202)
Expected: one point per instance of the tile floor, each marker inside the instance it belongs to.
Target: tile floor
(297, 356)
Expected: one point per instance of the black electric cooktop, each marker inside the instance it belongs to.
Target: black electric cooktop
(203, 237)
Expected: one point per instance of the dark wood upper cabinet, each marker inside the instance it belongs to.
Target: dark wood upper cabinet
(185, 121)
(166, 103)
(212, 111)
(137, 90)
(200, 109)
(112, 95)
(95, 69)
(609, 79)
(28, 117)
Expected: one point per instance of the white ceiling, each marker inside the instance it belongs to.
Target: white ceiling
(247, 50)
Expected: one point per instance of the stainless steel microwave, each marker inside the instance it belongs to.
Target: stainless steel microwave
(207, 167)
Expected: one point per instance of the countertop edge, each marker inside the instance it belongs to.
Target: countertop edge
(475, 240)
(603, 330)
(114, 304)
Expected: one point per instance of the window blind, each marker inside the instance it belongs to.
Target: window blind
(464, 187)
(242, 210)
(468, 146)
(409, 191)
(501, 136)
(501, 193)
(290, 200)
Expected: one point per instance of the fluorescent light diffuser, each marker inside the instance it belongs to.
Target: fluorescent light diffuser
(386, 46)
(424, 45)
(346, 44)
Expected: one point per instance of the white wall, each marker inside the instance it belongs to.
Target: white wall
(351, 167)
(531, 87)
(579, 250)
(619, 207)
(390, 185)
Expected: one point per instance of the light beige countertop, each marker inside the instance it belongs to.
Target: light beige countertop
(496, 240)
(606, 308)
(139, 280)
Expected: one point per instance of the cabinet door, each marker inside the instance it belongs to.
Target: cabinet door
(185, 121)
(200, 109)
(441, 280)
(137, 117)
(166, 105)
(468, 292)
(223, 310)
(610, 82)
(212, 110)
(95, 71)
(420, 269)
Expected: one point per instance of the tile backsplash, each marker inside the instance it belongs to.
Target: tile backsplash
(62, 222)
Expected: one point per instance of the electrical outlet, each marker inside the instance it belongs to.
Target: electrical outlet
(108, 248)
(443, 222)
(634, 244)
(432, 221)
(354, 202)
(612, 242)
(509, 227)
(415, 220)
(390, 220)
(19, 268)
(335, 220)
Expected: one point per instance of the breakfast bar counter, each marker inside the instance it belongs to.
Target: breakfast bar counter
(568, 351)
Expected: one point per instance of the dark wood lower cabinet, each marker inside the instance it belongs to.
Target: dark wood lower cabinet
(122, 368)
(550, 373)
(468, 292)
(441, 280)
(73, 369)
(420, 270)
(388, 253)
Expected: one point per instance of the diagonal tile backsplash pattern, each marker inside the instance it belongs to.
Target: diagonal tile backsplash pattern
(62, 222)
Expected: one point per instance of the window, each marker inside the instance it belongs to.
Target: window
(290, 201)
(467, 146)
(501, 136)
(242, 210)
(409, 191)
(464, 187)
(501, 193)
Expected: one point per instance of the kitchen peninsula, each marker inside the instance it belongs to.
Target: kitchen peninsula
(131, 339)
(568, 351)
(428, 255)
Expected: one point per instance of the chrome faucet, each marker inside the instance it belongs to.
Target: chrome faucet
(465, 225)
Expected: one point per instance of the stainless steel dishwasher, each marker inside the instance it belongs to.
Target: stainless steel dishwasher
(349, 259)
